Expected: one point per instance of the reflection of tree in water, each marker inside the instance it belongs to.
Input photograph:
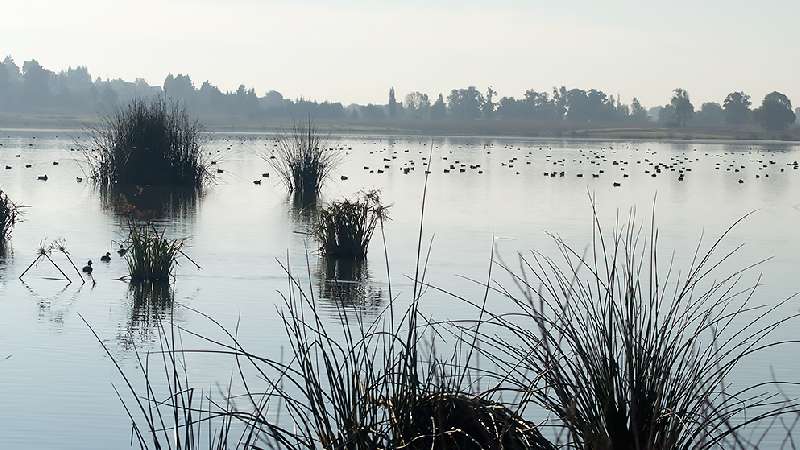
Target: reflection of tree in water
(346, 283)
(151, 202)
(151, 303)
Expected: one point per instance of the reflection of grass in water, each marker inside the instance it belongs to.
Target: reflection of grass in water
(149, 302)
(347, 283)
(151, 202)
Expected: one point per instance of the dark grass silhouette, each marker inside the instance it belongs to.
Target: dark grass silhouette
(10, 215)
(344, 228)
(621, 354)
(354, 385)
(151, 256)
(302, 161)
(148, 143)
(627, 355)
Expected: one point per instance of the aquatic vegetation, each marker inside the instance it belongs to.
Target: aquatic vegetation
(344, 228)
(302, 160)
(9, 216)
(626, 355)
(151, 256)
(148, 142)
(45, 251)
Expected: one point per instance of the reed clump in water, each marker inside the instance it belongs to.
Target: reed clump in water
(148, 143)
(151, 256)
(9, 216)
(302, 161)
(344, 228)
(627, 355)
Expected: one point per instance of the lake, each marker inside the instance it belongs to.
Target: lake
(55, 379)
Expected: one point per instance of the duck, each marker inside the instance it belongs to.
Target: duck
(106, 258)
(87, 269)
(122, 250)
(42, 178)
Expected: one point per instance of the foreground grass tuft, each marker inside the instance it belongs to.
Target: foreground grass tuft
(146, 143)
(628, 356)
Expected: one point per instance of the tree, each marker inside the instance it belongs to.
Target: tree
(179, 87)
(392, 103)
(681, 106)
(417, 105)
(776, 112)
(465, 103)
(710, 114)
(438, 109)
(737, 108)
(638, 113)
(35, 82)
(488, 105)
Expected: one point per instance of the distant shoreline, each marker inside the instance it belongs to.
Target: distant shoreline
(444, 128)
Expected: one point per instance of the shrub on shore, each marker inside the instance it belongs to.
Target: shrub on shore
(302, 161)
(344, 228)
(148, 142)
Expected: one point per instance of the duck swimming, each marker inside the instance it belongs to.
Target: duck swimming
(122, 250)
(106, 258)
(87, 269)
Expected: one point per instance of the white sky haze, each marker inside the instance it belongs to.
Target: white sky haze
(353, 51)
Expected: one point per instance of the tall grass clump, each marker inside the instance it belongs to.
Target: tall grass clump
(361, 384)
(151, 256)
(630, 354)
(344, 228)
(9, 216)
(302, 160)
(148, 142)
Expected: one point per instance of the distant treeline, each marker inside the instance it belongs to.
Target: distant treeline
(34, 89)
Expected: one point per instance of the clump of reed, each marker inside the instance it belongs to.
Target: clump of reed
(365, 385)
(302, 161)
(627, 355)
(151, 256)
(148, 142)
(344, 228)
(9, 216)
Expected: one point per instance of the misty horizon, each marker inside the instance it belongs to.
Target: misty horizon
(359, 52)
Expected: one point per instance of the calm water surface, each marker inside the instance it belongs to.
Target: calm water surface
(55, 380)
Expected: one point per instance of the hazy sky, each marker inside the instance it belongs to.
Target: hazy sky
(353, 51)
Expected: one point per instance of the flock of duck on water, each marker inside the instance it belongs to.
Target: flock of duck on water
(555, 167)
(87, 269)
(594, 162)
